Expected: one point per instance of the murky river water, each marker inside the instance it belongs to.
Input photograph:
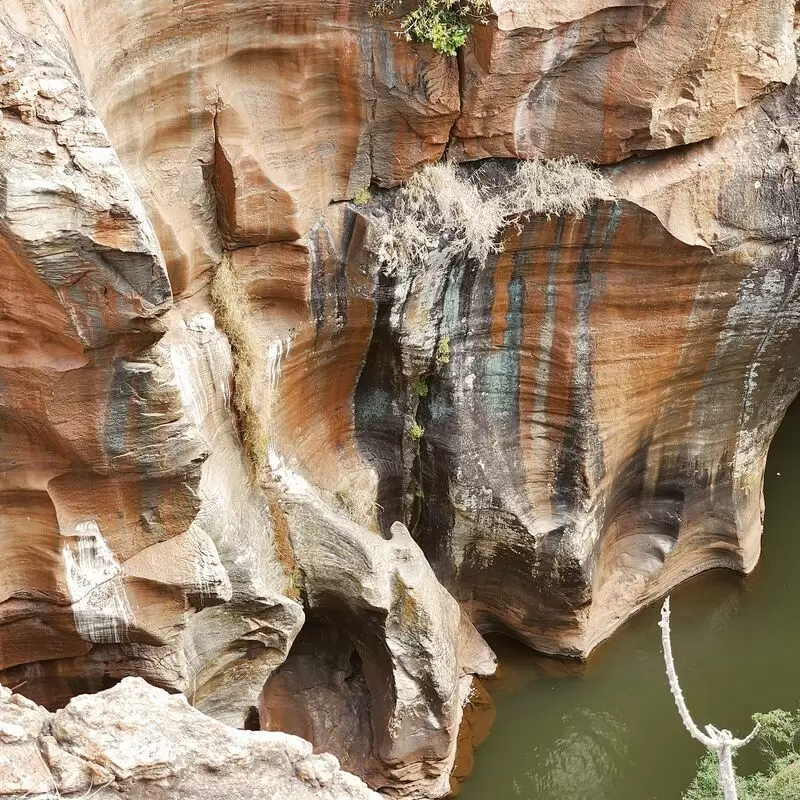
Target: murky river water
(608, 730)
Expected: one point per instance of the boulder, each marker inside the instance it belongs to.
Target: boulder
(136, 741)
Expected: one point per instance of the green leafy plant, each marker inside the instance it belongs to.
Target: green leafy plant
(443, 352)
(778, 735)
(443, 24)
(416, 432)
(420, 388)
(362, 196)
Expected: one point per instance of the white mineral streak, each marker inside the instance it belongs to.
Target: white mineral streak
(276, 352)
(765, 296)
(201, 323)
(99, 607)
(184, 365)
(220, 364)
(294, 483)
(555, 52)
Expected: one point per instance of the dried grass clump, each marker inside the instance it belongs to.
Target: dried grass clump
(468, 220)
(553, 188)
(440, 209)
(404, 604)
(284, 550)
(232, 312)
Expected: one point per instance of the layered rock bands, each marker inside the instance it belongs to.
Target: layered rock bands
(537, 443)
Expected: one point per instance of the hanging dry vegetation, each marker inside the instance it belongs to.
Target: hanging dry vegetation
(232, 311)
(441, 209)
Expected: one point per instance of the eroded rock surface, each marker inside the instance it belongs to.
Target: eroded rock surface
(594, 404)
(127, 509)
(136, 741)
(605, 80)
(380, 674)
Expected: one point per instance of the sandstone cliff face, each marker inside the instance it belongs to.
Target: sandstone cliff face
(114, 411)
(596, 434)
(605, 80)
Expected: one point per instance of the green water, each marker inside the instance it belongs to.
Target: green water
(608, 730)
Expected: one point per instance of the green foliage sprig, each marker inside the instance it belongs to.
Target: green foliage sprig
(416, 432)
(420, 388)
(444, 24)
(778, 735)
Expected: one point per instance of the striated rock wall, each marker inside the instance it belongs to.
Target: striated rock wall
(123, 486)
(605, 80)
(384, 665)
(596, 432)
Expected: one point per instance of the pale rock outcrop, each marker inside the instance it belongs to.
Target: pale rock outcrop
(136, 741)
(381, 674)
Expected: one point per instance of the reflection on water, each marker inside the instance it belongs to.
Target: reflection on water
(589, 745)
(608, 730)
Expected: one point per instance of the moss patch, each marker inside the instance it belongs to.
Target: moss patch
(232, 311)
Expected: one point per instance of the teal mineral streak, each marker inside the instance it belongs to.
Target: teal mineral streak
(547, 330)
(610, 229)
(375, 407)
(502, 371)
(450, 317)
(587, 279)
(125, 385)
(439, 407)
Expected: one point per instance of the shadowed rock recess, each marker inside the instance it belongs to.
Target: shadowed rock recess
(537, 442)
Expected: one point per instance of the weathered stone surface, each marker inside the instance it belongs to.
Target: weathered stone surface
(240, 121)
(120, 530)
(136, 741)
(163, 558)
(554, 502)
(605, 80)
(382, 673)
(597, 433)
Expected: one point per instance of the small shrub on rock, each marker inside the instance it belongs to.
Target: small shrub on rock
(443, 24)
(420, 388)
(362, 196)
